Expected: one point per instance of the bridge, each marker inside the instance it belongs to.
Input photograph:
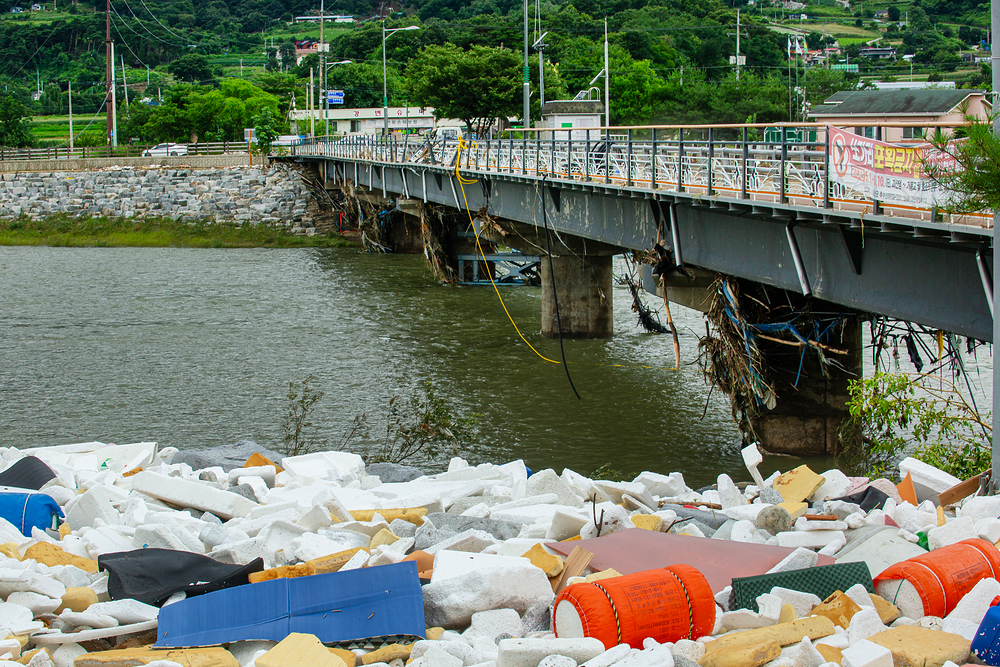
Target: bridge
(758, 202)
(815, 211)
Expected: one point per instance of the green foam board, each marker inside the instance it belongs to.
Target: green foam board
(820, 581)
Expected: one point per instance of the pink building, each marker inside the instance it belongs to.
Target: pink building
(872, 113)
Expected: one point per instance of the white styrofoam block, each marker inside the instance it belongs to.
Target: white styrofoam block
(961, 627)
(18, 619)
(803, 523)
(860, 595)
(30, 582)
(66, 654)
(186, 493)
(156, 536)
(989, 529)
(531, 513)
(867, 654)
(974, 604)
(266, 473)
(472, 541)
(126, 611)
(928, 481)
(882, 549)
(316, 518)
(802, 602)
(614, 656)
(751, 459)
(799, 559)
(92, 505)
(566, 523)
(743, 531)
(864, 624)
(956, 530)
(340, 467)
(745, 512)
(744, 619)
(547, 481)
(449, 564)
(981, 507)
(495, 622)
(729, 495)
(507, 583)
(615, 490)
(662, 486)
(837, 484)
(38, 604)
(812, 539)
(529, 652)
(87, 619)
(311, 545)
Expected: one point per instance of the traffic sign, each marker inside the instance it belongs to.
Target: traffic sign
(334, 97)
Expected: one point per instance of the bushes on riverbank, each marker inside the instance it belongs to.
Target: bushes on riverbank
(70, 231)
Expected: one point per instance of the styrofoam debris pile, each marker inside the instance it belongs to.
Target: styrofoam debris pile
(491, 589)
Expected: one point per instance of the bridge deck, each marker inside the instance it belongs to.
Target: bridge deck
(726, 200)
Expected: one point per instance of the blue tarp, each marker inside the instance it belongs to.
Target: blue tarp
(27, 510)
(336, 607)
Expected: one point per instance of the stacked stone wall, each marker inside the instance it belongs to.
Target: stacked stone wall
(247, 194)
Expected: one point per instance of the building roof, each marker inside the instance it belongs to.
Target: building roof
(573, 107)
(892, 102)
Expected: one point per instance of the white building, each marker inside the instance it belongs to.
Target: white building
(371, 121)
(576, 114)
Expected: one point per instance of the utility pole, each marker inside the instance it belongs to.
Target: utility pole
(322, 71)
(607, 81)
(124, 83)
(114, 101)
(539, 46)
(312, 116)
(526, 75)
(71, 115)
(737, 59)
(108, 104)
(995, 61)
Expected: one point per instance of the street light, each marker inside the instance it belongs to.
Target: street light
(385, 89)
(326, 93)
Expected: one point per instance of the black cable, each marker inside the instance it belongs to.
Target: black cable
(555, 297)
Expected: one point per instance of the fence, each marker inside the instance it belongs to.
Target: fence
(126, 151)
(787, 163)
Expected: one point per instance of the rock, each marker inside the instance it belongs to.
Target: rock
(391, 473)
(769, 496)
(774, 519)
(226, 457)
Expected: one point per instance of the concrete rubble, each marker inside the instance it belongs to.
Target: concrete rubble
(481, 538)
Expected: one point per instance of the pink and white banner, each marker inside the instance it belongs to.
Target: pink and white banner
(887, 172)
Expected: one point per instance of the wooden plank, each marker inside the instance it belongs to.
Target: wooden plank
(578, 561)
(961, 490)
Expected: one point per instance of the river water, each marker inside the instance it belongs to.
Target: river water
(194, 348)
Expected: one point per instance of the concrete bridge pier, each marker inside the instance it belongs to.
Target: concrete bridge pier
(811, 405)
(579, 278)
(582, 287)
(807, 419)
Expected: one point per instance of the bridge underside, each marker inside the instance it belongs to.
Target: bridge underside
(932, 274)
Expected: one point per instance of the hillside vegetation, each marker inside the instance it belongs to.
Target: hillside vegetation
(216, 65)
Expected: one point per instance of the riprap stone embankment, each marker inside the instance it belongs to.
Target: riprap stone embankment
(270, 195)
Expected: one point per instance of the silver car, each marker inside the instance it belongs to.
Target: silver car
(166, 150)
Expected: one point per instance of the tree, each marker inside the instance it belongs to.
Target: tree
(969, 167)
(15, 130)
(476, 86)
(191, 67)
(266, 128)
(287, 53)
(893, 13)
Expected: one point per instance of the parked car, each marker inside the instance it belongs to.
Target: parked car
(166, 149)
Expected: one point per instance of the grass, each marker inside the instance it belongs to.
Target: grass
(67, 231)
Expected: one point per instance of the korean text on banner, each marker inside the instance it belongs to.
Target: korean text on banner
(882, 171)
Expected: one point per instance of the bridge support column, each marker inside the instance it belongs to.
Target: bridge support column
(583, 288)
(806, 420)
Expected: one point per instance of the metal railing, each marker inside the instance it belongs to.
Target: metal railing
(128, 150)
(722, 162)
